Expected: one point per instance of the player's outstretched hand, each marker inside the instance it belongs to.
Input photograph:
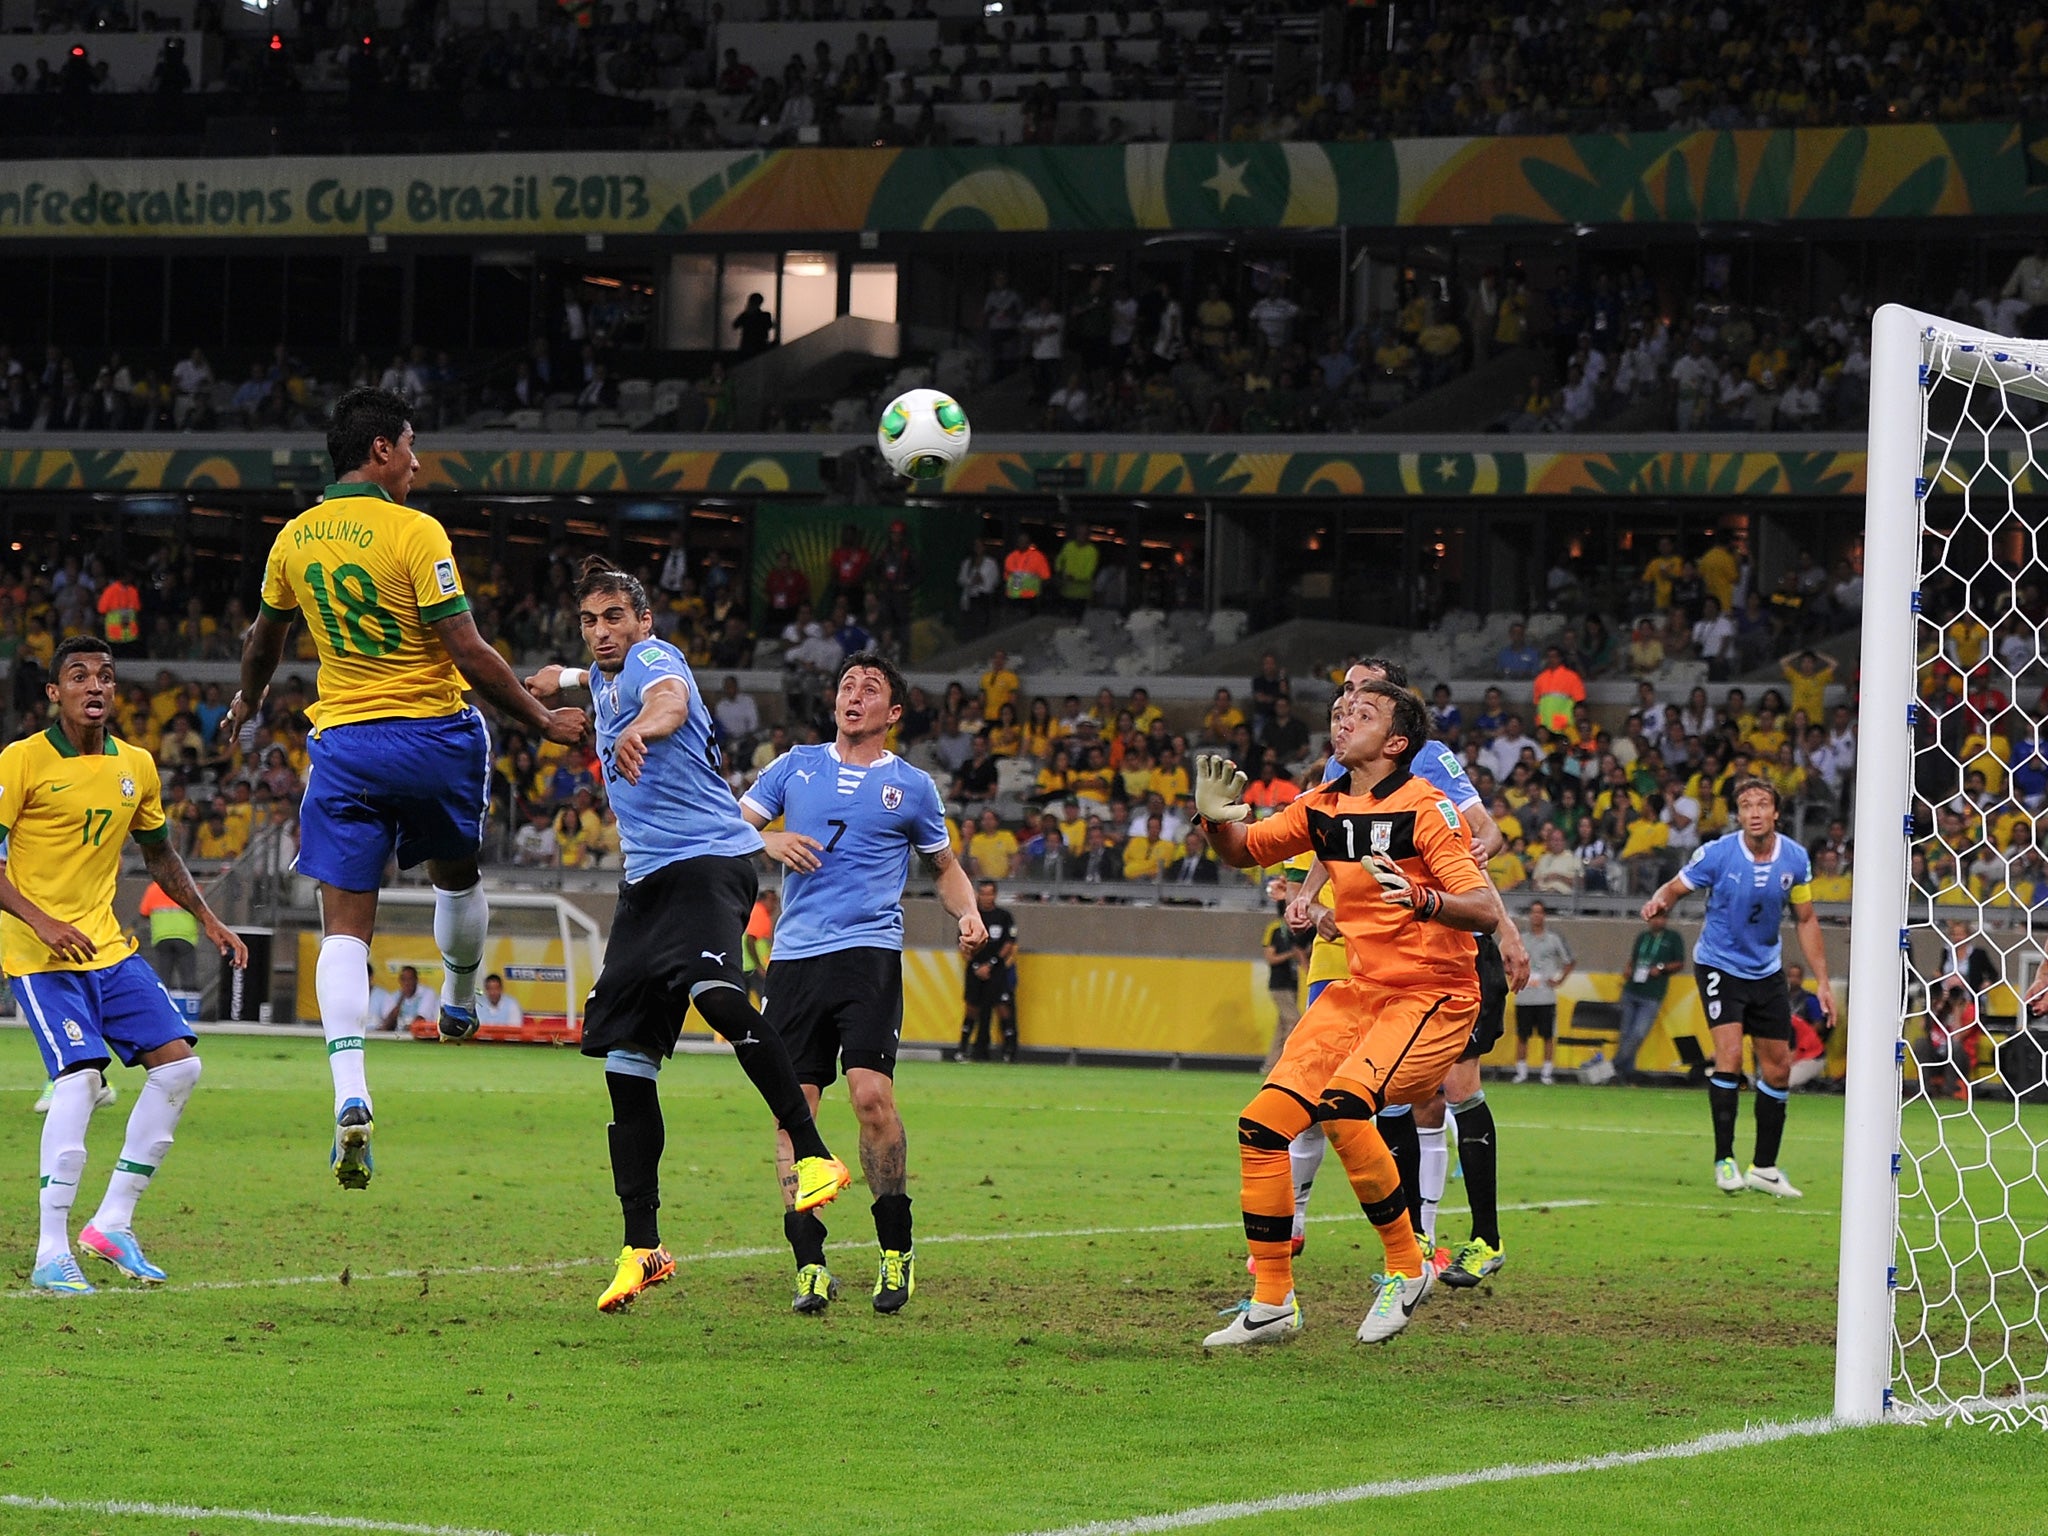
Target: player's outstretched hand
(65, 941)
(1325, 924)
(227, 941)
(793, 851)
(1218, 783)
(1656, 905)
(545, 683)
(973, 932)
(566, 727)
(629, 754)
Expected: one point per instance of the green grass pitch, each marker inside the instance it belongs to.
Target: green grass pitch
(1076, 1240)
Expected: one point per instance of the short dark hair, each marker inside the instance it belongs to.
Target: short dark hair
(78, 645)
(874, 661)
(1410, 719)
(361, 417)
(1749, 781)
(1392, 670)
(599, 576)
(494, 976)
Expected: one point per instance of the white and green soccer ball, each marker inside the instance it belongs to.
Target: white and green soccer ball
(923, 433)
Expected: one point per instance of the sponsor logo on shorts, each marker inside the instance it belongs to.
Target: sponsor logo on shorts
(444, 576)
(892, 796)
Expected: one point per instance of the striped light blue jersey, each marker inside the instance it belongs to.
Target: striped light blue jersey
(866, 820)
(1746, 902)
(682, 808)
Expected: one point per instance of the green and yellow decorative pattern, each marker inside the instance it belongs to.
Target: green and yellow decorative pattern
(1888, 172)
(1306, 473)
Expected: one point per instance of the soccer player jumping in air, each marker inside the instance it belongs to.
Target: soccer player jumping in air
(1750, 876)
(682, 915)
(400, 760)
(851, 813)
(1416, 1136)
(69, 797)
(1408, 898)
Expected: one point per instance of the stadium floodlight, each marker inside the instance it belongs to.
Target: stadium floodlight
(1944, 1249)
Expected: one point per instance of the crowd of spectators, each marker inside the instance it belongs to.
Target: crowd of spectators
(1456, 67)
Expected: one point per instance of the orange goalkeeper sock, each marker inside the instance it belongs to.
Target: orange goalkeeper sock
(1270, 1122)
(1377, 1183)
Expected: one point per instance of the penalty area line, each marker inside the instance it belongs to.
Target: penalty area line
(707, 1256)
(246, 1516)
(1397, 1488)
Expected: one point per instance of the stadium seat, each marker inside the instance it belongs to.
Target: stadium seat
(563, 419)
(525, 421)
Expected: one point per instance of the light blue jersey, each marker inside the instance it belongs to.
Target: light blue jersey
(681, 808)
(1746, 901)
(1437, 766)
(867, 821)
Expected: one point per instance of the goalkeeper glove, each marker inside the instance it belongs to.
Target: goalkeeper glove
(1218, 783)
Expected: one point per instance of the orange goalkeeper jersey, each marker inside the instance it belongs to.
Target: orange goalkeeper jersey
(1409, 821)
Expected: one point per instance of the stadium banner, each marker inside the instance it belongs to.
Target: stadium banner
(939, 537)
(1222, 1008)
(1687, 178)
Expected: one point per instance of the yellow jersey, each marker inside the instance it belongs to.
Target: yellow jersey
(64, 817)
(1328, 960)
(371, 578)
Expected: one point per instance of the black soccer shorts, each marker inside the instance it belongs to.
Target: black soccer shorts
(1762, 1005)
(843, 1007)
(1493, 1000)
(675, 929)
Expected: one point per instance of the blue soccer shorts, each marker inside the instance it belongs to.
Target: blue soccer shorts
(420, 788)
(77, 1015)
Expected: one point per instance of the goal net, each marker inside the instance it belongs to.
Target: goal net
(1945, 1210)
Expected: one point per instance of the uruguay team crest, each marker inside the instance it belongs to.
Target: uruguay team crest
(892, 796)
(1382, 836)
(1785, 880)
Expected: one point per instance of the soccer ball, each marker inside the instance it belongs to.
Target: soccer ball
(923, 433)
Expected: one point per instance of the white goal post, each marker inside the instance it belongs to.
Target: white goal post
(1942, 1317)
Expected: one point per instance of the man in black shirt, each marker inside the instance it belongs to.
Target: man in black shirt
(755, 325)
(991, 981)
(976, 780)
(1285, 735)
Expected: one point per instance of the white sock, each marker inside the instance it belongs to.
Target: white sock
(1304, 1157)
(63, 1160)
(1436, 1168)
(152, 1125)
(341, 981)
(461, 919)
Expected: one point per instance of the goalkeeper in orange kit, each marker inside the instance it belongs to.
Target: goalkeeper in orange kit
(1408, 900)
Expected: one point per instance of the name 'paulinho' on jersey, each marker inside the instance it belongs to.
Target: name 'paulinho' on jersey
(682, 808)
(1436, 765)
(866, 819)
(1746, 902)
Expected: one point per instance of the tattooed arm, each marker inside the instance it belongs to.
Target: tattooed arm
(169, 871)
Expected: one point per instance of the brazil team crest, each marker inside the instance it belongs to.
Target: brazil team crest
(892, 796)
(127, 787)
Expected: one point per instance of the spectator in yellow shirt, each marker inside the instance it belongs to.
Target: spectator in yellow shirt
(1830, 881)
(1170, 777)
(1073, 826)
(1645, 651)
(1785, 775)
(992, 850)
(1005, 737)
(1719, 573)
(1055, 777)
(999, 686)
(1508, 867)
(1147, 856)
(1662, 571)
(1765, 737)
(1144, 713)
(213, 842)
(1808, 674)
(572, 846)
(1041, 731)
(1223, 717)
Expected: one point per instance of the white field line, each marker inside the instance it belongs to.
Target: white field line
(1510, 1472)
(246, 1516)
(715, 1254)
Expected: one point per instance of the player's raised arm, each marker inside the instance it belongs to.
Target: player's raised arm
(664, 706)
(1219, 788)
(492, 676)
(262, 650)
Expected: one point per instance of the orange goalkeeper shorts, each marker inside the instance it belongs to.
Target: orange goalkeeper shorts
(1400, 1042)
